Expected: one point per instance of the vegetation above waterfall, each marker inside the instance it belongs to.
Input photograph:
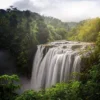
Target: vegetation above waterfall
(58, 30)
(87, 30)
(21, 31)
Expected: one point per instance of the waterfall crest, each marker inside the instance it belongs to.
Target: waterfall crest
(55, 62)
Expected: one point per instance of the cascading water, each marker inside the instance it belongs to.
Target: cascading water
(55, 63)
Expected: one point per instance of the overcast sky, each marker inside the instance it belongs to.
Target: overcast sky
(66, 10)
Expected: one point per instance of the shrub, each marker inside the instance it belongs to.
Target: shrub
(8, 87)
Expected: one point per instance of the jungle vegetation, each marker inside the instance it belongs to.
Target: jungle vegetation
(21, 31)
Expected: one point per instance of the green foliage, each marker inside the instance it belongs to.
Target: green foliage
(61, 91)
(73, 90)
(20, 32)
(97, 51)
(8, 86)
(86, 30)
(29, 95)
(91, 89)
(57, 29)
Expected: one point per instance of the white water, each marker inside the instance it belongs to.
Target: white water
(57, 64)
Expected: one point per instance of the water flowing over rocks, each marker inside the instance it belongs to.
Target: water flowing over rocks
(56, 61)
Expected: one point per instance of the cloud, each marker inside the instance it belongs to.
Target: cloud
(26, 5)
(66, 10)
(6, 3)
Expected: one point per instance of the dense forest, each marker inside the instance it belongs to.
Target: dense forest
(86, 30)
(58, 30)
(22, 31)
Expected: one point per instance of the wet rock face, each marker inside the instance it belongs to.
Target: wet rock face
(56, 61)
(7, 65)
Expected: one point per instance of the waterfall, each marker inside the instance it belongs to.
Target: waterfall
(56, 62)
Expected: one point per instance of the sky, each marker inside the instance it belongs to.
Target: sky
(65, 10)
